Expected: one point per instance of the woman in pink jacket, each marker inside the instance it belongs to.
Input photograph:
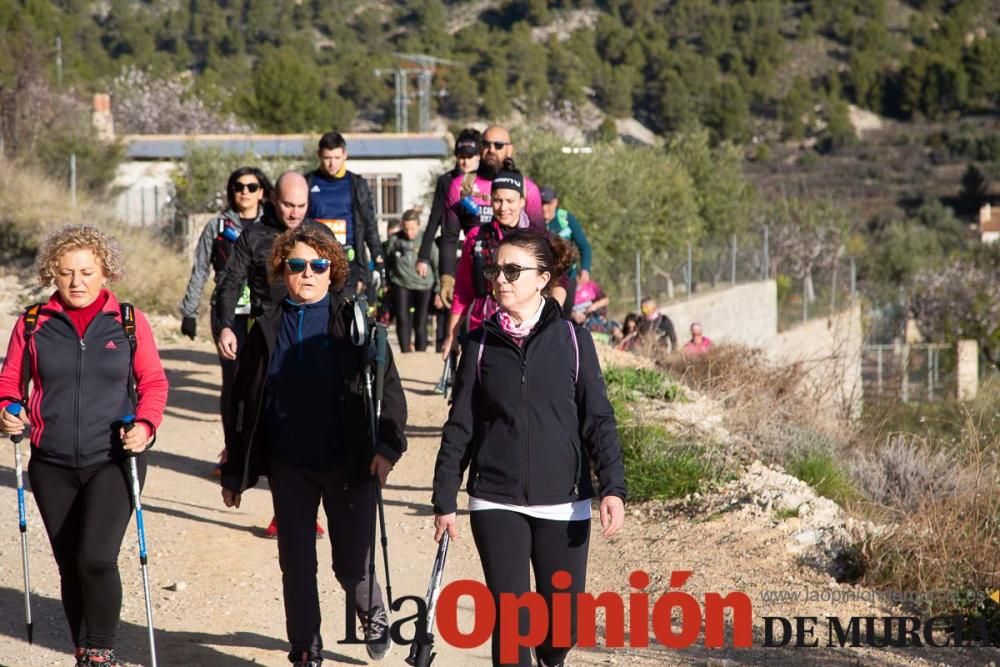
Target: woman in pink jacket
(473, 297)
(90, 361)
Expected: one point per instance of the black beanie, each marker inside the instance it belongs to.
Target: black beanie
(509, 179)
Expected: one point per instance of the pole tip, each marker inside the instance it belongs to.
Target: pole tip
(31, 633)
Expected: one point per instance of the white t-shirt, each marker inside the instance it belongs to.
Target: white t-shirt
(578, 510)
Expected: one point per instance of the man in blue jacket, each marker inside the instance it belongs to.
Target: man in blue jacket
(342, 200)
(564, 224)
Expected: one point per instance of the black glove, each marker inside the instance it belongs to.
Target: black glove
(189, 327)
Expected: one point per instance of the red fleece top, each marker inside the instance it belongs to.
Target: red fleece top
(82, 317)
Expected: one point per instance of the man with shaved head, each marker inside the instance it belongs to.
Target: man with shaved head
(469, 202)
(252, 257)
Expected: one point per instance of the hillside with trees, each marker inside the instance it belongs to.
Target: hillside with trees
(775, 87)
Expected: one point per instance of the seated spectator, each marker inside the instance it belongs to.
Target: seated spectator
(590, 310)
(629, 333)
(699, 343)
(656, 324)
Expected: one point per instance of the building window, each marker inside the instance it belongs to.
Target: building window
(387, 191)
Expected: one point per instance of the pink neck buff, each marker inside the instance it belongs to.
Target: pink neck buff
(518, 332)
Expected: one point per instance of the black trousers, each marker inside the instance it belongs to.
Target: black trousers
(296, 492)
(86, 512)
(241, 328)
(403, 300)
(508, 544)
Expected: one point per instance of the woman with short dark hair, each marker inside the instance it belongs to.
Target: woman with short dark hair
(302, 420)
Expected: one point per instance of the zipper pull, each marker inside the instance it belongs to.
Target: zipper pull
(83, 346)
(523, 369)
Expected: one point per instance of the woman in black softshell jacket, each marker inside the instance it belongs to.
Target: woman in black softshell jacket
(301, 419)
(530, 419)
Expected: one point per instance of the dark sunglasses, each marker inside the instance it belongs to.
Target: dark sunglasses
(296, 265)
(510, 271)
(498, 145)
(250, 187)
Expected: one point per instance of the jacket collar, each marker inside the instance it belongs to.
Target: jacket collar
(110, 306)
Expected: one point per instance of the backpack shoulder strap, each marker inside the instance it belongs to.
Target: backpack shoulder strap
(30, 324)
(479, 355)
(576, 350)
(128, 324)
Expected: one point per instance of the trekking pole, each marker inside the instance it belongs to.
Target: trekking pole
(442, 385)
(22, 521)
(129, 423)
(421, 650)
(381, 343)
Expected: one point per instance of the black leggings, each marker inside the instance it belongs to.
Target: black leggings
(420, 300)
(296, 492)
(86, 512)
(508, 543)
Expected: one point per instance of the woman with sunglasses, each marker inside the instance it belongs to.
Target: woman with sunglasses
(246, 191)
(530, 417)
(301, 420)
(472, 297)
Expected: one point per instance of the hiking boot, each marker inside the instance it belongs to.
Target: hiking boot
(98, 657)
(308, 661)
(377, 640)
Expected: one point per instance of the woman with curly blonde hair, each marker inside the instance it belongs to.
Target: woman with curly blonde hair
(301, 420)
(74, 353)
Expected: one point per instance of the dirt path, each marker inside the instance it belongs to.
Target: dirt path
(226, 610)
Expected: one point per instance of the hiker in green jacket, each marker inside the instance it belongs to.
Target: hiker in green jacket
(411, 293)
(564, 224)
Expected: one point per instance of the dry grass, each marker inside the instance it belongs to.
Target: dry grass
(770, 408)
(31, 204)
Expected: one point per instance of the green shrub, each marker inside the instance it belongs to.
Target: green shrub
(657, 467)
(624, 383)
(822, 472)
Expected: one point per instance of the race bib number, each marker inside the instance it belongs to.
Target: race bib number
(338, 227)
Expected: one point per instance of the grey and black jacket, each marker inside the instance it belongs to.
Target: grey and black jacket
(211, 254)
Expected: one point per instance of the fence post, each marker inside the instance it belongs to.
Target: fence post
(854, 279)
(878, 366)
(805, 301)
(905, 365)
(968, 369)
(72, 179)
(156, 204)
(638, 281)
(142, 205)
(732, 269)
(766, 265)
(833, 289)
(930, 372)
(690, 276)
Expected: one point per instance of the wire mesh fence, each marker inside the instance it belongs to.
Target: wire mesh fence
(826, 289)
(909, 372)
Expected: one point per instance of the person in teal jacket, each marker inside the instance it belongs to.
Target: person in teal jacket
(564, 224)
